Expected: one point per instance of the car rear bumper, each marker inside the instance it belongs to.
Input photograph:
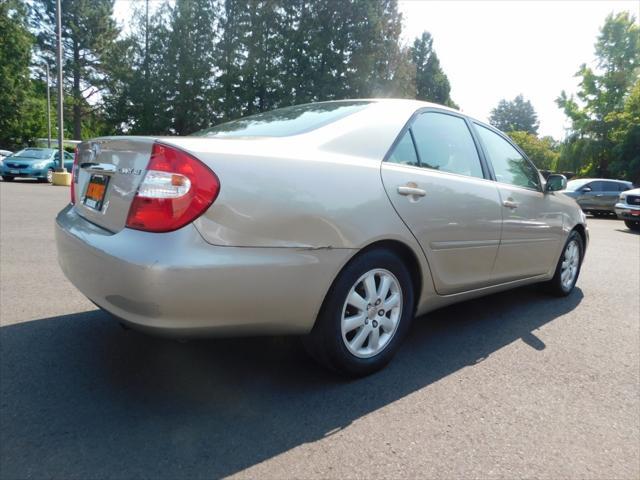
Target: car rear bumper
(177, 284)
(627, 212)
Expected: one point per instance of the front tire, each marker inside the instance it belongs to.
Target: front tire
(6, 178)
(365, 315)
(49, 177)
(633, 225)
(568, 268)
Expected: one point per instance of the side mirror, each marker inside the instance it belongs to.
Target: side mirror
(556, 182)
(585, 189)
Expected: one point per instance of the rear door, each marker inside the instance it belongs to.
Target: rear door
(532, 225)
(435, 180)
(608, 197)
(108, 175)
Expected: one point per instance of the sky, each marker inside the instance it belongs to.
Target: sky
(492, 50)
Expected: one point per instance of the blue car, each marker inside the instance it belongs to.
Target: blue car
(37, 163)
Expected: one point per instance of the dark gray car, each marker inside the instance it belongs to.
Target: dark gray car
(597, 196)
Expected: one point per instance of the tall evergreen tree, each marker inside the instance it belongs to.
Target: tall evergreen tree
(228, 88)
(432, 84)
(517, 115)
(22, 104)
(88, 32)
(189, 64)
(136, 97)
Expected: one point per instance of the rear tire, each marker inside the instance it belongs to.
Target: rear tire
(7, 179)
(365, 315)
(633, 225)
(568, 267)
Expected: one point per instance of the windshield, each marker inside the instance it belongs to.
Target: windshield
(285, 121)
(574, 185)
(33, 153)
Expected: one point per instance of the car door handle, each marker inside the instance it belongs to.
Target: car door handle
(413, 191)
(599, 195)
(510, 204)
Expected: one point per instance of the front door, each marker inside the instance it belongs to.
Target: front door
(442, 195)
(532, 227)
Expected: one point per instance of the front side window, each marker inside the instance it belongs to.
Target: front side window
(597, 186)
(445, 144)
(404, 152)
(508, 164)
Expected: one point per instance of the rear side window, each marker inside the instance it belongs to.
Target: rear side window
(404, 152)
(509, 166)
(286, 121)
(445, 144)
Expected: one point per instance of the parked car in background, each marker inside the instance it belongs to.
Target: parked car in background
(4, 153)
(597, 196)
(336, 220)
(38, 163)
(628, 208)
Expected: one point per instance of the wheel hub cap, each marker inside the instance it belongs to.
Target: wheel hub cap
(570, 265)
(371, 313)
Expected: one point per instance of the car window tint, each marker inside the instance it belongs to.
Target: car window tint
(404, 152)
(509, 166)
(611, 186)
(445, 144)
(33, 153)
(596, 186)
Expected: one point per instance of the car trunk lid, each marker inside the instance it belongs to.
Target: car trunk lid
(118, 163)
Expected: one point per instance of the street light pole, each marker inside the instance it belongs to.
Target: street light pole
(48, 109)
(60, 87)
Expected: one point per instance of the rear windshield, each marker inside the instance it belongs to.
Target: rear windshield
(33, 153)
(285, 121)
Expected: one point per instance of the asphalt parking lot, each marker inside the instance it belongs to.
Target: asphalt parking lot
(514, 385)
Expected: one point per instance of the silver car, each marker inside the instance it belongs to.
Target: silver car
(597, 196)
(628, 208)
(339, 221)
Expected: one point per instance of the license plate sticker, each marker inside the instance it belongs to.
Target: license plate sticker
(96, 190)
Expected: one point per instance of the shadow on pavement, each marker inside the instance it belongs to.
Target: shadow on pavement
(82, 398)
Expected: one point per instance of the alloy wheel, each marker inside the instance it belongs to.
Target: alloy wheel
(570, 264)
(371, 313)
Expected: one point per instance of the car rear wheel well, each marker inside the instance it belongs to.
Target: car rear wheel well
(407, 256)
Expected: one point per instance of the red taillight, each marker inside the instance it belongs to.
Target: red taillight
(177, 188)
(74, 176)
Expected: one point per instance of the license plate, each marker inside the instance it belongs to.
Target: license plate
(14, 172)
(96, 190)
